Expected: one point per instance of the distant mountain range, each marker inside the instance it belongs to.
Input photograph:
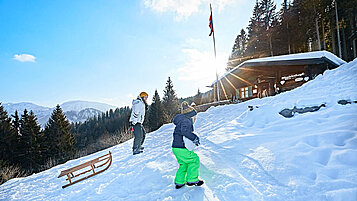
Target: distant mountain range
(75, 111)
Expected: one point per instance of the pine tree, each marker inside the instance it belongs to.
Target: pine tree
(170, 102)
(29, 140)
(240, 44)
(238, 51)
(236, 46)
(244, 38)
(59, 139)
(268, 13)
(282, 35)
(255, 30)
(8, 137)
(24, 142)
(16, 122)
(16, 146)
(267, 8)
(198, 98)
(155, 113)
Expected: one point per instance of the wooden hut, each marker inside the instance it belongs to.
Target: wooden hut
(271, 75)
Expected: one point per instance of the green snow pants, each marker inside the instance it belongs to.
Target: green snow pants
(189, 163)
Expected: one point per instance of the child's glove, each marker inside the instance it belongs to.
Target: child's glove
(131, 124)
(196, 141)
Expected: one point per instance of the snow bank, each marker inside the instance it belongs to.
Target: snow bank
(245, 155)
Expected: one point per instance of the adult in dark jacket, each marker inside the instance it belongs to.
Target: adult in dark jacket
(188, 160)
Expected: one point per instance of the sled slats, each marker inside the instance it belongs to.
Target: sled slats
(94, 169)
(86, 164)
(80, 174)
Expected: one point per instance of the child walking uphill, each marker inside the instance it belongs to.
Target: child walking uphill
(183, 139)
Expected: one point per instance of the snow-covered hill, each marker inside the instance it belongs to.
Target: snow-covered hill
(81, 105)
(82, 115)
(75, 111)
(245, 155)
(20, 107)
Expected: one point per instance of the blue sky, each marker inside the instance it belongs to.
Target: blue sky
(111, 50)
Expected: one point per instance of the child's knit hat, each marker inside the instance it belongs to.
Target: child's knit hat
(187, 109)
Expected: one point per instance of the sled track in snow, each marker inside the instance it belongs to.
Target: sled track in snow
(264, 187)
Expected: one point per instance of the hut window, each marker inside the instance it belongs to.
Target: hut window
(244, 92)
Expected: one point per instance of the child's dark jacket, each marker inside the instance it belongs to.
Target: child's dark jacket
(184, 127)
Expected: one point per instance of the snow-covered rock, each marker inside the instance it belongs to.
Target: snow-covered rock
(245, 155)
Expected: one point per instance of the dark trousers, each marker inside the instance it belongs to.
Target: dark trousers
(139, 136)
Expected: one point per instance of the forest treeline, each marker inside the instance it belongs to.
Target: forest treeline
(299, 26)
(26, 148)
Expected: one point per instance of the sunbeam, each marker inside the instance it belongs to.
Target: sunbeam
(230, 83)
(224, 91)
(241, 79)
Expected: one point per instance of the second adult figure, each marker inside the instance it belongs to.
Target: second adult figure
(136, 121)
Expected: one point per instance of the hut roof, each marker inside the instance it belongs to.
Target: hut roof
(317, 57)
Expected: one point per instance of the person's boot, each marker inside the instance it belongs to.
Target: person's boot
(179, 186)
(141, 148)
(197, 183)
(137, 151)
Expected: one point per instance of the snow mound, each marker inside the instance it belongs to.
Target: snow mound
(245, 155)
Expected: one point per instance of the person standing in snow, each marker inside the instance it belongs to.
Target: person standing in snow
(184, 141)
(136, 121)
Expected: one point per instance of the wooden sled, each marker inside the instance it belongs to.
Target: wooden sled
(94, 165)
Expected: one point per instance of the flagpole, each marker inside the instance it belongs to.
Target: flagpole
(215, 56)
(338, 32)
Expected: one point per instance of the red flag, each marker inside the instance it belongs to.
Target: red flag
(210, 24)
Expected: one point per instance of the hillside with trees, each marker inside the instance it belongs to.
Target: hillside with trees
(26, 148)
(299, 26)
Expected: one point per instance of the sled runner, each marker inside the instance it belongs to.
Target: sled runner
(95, 166)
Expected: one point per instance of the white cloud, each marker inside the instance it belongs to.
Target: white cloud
(185, 8)
(24, 57)
(200, 68)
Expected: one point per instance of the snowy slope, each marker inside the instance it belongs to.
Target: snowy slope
(245, 155)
